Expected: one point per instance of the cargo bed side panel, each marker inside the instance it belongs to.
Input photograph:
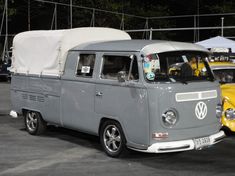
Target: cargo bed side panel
(38, 94)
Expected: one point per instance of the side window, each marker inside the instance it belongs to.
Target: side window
(112, 65)
(85, 65)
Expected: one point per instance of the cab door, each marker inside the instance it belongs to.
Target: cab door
(77, 93)
(124, 101)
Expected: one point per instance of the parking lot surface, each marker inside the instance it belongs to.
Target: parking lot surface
(62, 152)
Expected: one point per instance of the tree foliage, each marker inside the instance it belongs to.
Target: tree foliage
(41, 16)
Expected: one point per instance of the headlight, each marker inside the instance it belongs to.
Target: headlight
(219, 110)
(169, 118)
(230, 114)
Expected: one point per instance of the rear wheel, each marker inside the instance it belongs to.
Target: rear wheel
(34, 123)
(112, 138)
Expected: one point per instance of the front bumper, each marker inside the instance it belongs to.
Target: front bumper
(184, 145)
(13, 114)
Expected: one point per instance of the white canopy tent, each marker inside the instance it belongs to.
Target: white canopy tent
(218, 42)
(44, 52)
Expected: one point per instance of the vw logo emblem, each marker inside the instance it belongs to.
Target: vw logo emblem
(201, 110)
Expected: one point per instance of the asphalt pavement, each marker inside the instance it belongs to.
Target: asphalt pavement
(62, 152)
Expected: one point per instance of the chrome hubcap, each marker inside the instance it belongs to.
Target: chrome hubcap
(112, 138)
(31, 121)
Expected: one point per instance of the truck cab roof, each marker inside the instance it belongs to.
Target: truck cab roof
(143, 46)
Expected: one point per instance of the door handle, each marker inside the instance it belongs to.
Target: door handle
(99, 94)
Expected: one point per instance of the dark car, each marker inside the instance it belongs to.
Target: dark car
(4, 72)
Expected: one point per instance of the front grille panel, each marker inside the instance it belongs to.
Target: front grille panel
(193, 96)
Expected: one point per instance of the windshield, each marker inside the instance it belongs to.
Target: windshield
(180, 66)
(225, 75)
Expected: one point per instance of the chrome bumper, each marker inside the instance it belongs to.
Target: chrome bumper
(184, 145)
(13, 114)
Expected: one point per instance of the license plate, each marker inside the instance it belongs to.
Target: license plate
(202, 142)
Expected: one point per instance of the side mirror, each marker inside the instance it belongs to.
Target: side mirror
(121, 76)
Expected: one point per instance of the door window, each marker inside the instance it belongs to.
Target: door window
(113, 65)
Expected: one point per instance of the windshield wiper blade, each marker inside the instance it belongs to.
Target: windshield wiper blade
(174, 80)
(183, 81)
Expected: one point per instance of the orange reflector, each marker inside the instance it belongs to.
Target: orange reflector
(159, 136)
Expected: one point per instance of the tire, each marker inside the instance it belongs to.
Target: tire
(112, 138)
(34, 123)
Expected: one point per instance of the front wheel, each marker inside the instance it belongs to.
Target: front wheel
(112, 138)
(34, 123)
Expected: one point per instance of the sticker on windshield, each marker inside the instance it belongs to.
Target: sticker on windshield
(184, 58)
(147, 67)
(85, 69)
(146, 59)
(155, 64)
(150, 76)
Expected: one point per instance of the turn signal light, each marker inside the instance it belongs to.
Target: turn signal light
(159, 136)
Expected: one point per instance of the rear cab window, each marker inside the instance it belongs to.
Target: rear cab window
(85, 65)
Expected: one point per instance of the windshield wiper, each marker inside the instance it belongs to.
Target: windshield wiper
(183, 81)
(180, 80)
(212, 79)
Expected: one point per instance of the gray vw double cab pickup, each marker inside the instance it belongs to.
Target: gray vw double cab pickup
(146, 95)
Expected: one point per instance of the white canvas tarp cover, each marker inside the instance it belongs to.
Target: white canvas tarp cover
(44, 52)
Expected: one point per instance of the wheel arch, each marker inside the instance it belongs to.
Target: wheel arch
(25, 110)
(104, 119)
